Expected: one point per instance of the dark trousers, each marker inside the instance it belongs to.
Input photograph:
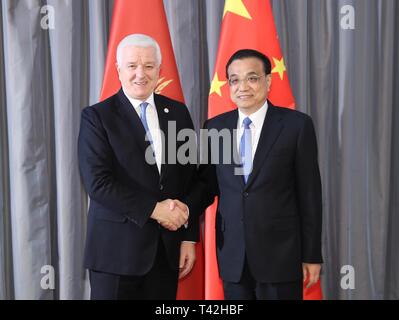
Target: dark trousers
(249, 289)
(160, 283)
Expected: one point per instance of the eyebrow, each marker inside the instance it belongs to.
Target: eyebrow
(251, 73)
(145, 62)
(153, 63)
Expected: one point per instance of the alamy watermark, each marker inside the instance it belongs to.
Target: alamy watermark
(348, 279)
(48, 19)
(347, 20)
(183, 147)
(47, 282)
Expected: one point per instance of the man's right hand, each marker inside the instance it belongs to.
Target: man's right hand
(168, 216)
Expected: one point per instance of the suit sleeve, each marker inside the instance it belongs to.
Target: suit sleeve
(308, 185)
(96, 167)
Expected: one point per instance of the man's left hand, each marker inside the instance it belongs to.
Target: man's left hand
(311, 272)
(187, 258)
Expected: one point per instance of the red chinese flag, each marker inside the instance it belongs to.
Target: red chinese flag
(148, 17)
(247, 24)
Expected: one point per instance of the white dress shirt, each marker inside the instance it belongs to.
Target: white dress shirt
(257, 118)
(153, 125)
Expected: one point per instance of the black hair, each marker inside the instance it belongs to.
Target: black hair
(250, 53)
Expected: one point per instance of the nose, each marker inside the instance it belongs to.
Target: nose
(140, 71)
(243, 85)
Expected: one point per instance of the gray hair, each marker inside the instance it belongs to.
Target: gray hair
(138, 40)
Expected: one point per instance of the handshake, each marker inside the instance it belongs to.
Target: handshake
(170, 214)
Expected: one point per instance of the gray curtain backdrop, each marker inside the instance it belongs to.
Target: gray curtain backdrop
(346, 79)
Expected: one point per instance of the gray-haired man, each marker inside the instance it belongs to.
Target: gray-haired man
(136, 241)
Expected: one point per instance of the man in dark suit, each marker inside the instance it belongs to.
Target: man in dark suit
(137, 245)
(268, 220)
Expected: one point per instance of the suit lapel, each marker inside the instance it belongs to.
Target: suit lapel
(231, 125)
(163, 119)
(135, 124)
(134, 120)
(271, 129)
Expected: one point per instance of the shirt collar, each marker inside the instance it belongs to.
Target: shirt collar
(136, 102)
(257, 117)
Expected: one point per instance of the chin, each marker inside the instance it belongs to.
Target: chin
(142, 95)
(245, 106)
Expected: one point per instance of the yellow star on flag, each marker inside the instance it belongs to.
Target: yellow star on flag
(216, 85)
(279, 67)
(237, 7)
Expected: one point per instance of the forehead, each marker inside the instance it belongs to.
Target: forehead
(133, 53)
(245, 66)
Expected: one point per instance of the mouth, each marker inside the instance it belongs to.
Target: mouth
(140, 83)
(244, 97)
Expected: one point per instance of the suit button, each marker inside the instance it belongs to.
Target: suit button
(245, 194)
(161, 187)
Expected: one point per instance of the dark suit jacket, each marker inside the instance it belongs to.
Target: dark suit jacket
(275, 219)
(124, 188)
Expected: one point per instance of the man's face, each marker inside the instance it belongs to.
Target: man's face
(249, 86)
(138, 71)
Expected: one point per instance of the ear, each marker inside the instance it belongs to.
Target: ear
(268, 81)
(118, 69)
